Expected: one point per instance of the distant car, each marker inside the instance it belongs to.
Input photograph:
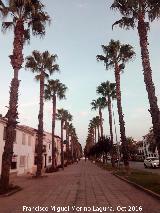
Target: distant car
(152, 162)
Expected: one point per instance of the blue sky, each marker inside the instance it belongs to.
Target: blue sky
(77, 31)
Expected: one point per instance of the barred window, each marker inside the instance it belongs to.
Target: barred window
(22, 161)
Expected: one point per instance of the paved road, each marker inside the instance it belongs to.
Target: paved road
(140, 165)
(85, 186)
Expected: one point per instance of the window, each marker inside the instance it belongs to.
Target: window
(49, 159)
(29, 140)
(14, 162)
(23, 139)
(49, 145)
(22, 161)
(4, 133)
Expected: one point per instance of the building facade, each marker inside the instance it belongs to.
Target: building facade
(24, 149)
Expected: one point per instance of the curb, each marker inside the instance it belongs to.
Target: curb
(153, 194)
(11, 193)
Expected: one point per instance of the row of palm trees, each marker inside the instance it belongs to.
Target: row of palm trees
(30, 16)
(135, 14)
(107, 91)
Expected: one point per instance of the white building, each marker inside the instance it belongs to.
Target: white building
(24, 150)
(47, 155)
(140, 148)
(147, 151)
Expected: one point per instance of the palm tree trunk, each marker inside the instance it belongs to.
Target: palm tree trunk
(95, 135)
(101, 120)
(98, 132)
(121, 117)
(67, 145)
(110, 118)
(53, 133)
(40, 128)
(111, 131)
(147, 72)
(12, 114)
(72, 148)
(62, 153)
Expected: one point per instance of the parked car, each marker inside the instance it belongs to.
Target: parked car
(151, 162)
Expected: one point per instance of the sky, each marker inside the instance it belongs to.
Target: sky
(77, 31)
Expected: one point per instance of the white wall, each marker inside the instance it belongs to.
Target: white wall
(20, 150)
(48, 143)
(25, 150)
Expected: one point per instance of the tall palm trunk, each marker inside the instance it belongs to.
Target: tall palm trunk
(101, 121)
(110, 118)
(40, 127)
(12, 115)
(53, 133)
(67, 145)
(62, 153)
(98, 132)
(95, 134)
(111, 131)
(147, 72)
(121, 117)
(72, 148)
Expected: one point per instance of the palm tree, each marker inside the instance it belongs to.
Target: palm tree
(42, 64)
(99, 104)
(108, 90)
(54, 89)
(116, 55)
(62, 115)
(96, 123)
(70, 130)
(72, 133)
(135, 15)
(24, 16)
(66, 127)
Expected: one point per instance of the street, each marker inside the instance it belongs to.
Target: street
(140, 166)
(81, 187)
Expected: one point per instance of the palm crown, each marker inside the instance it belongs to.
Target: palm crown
(55, 87)
(63, 115)
(100, 103)
(39, 62)
(131, 9)
(116, 53)
(29, 12)
(107, 89)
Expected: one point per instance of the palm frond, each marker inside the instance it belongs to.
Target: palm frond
(125, 22)
(7, 26)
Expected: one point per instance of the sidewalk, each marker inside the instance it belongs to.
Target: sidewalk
(80, 185)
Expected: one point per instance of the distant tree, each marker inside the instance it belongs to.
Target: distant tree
(132, 147)
(108, 90)
(62, 115)
(99, 104)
